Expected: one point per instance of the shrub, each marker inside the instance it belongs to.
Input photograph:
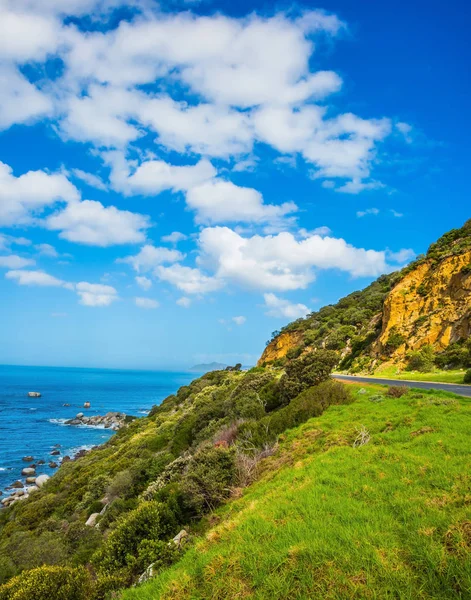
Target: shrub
(422, 360)
(467, 376)
(306, 371)
(151, 521)
(49, 583)
(397, 391)
(394, 341)
(207, 479)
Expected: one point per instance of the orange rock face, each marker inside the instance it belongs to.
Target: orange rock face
(278, 347)
(430, 305)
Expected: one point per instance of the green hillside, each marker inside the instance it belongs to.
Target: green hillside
(369, 500)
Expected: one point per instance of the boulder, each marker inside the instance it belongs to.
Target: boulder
(66, 459)
(55, 453)
(18, 484)
(92, 519)
(41, 462)
(79, 416)
(66, 404)
(28, 471)
(28, 458)
(31, 480)
(177, 540)
(33, 488)
(148, 574)
(53, 465)
(86, 405)
(41, 480)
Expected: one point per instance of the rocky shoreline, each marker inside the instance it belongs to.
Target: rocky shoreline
(21, 489)
(112, 420)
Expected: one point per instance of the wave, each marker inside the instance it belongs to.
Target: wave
(143, 412)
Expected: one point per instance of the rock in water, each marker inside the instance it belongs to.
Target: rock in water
(86, 405)
(28, 458)
(34, 394)
(29, 471)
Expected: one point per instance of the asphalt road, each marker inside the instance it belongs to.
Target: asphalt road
(462, 390)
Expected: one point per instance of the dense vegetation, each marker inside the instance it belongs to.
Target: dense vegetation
(368, 500)
(154, 477)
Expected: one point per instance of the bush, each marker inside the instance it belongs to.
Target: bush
(306, 371)
(207, 479)
(467, 376)
(150, 521)
(394, 341)
(49, 583)
(397, 391)
(422, 360)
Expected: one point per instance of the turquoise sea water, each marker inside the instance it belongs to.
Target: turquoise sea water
(33, 426)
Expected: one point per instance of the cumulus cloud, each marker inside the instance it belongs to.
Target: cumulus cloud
(281, 308)
(90, 179)
(96, 294)
(25, 196)
(37, 278)
(281, 262)
(152, 177)
(47, 250)
(147, 303)
(13, 261)
(150, 257)
(188, 280)
(143, 282)
(174, 237)
(220, 201)
(89, 222)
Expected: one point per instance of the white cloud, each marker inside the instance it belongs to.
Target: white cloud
(279, 307)
(20, 100)
(37, 278)
(405, 130)
(47, 250)
(96, 294)
(147, 303)
(89, 222)
(150, 257)
(368, 211)
(404, 255)
(27, 195)
(90, 179)
(357, 185)
(281, 262)
(220, 201)
(396, 214)
(174, 237)
(143, 282)
(13, 261)
(239, 320)
(6, 241)
(188, 280)
(184, 301)
(152, 177)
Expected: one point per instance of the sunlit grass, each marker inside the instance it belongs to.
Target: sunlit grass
(438, 376)
(389, 519)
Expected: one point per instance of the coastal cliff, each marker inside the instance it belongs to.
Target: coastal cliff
(427, 304)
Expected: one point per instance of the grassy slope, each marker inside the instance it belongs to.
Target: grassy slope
(439, 376)
(390, 519)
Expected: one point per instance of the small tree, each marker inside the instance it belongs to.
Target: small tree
(422, 360)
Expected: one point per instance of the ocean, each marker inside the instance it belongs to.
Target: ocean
(34, 426)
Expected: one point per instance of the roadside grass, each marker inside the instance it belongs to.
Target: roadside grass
(332, 519)
(436, 376)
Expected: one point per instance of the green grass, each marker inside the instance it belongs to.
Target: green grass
(389, 519)
(437, 376)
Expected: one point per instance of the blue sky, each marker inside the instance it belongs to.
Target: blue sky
(179, 180)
